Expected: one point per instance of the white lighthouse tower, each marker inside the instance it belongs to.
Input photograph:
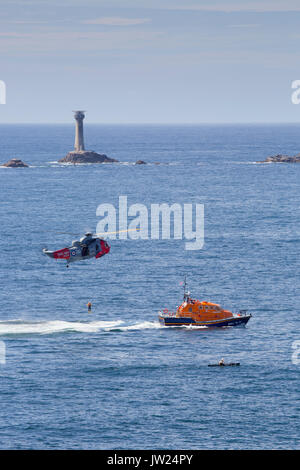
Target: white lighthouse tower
(79, 154)
(79, 142)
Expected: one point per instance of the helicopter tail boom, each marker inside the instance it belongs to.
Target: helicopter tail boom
(59, 254)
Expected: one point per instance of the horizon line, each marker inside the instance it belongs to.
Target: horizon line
(154, 123)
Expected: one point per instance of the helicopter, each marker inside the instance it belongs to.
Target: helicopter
(89, 246)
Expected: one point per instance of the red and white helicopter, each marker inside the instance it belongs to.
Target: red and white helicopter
(89, 246)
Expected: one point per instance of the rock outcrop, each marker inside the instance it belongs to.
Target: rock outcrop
(140, 162)
(282, 159)
(85, 156)
(15, 163)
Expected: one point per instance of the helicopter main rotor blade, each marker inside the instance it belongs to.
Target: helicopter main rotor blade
(118, 231)
(68, 233)
(93, 234)
(59, 233)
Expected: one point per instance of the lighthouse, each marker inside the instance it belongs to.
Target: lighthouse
(79, 154)
(79, 142)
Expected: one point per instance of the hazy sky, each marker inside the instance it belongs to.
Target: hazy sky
(164, 61)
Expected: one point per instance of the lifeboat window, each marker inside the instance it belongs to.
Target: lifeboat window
(190, 309)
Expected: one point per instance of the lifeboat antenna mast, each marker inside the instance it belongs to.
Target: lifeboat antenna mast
(185, 293)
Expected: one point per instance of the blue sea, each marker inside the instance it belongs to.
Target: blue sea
(115, 378)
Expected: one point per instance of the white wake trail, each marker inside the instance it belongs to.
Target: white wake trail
(54, 326)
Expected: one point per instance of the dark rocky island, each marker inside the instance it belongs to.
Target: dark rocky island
(140, 162)
(85, 156)
(282, 159)
(15, 163)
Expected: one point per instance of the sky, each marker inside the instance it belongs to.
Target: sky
(149, 61)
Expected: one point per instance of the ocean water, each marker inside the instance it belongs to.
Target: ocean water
(114, 378)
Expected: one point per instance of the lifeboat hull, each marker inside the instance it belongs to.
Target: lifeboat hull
(238, 320)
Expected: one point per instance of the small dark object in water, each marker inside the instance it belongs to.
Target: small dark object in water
(223, 365)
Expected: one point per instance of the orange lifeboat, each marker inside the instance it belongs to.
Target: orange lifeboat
(199, 313)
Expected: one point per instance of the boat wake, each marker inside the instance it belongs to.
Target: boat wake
(57, 326)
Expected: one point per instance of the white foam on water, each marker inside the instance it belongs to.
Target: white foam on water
(250, 163)
(195, 327)
(136, 326)
(55, 326)
(19, 327)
